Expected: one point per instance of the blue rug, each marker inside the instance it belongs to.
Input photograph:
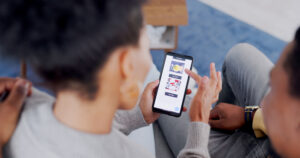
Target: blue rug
(208, 37)
(211, 33)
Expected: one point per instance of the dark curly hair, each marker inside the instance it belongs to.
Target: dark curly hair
(292, 66)
(67, 41)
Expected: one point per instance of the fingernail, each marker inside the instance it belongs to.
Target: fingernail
(213, 64)
(21, 83)
(22, 86)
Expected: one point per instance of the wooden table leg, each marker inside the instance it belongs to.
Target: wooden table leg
(175, 39)
(23, 73)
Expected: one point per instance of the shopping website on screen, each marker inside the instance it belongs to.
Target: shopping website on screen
(172, 84)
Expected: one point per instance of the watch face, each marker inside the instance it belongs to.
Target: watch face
(252, 107)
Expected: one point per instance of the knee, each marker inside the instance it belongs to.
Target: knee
(239, 56)
(240, 52)
(245, 56)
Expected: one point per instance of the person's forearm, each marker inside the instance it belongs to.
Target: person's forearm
(202, 116)
(197, 141)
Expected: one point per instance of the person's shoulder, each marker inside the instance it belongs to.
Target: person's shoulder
(37, 107)
(38, 98)
(35, 117)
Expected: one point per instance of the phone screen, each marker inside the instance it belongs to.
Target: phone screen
(173, 83)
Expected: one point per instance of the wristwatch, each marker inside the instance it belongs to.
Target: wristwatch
(249, 111)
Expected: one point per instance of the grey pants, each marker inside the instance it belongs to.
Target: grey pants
(245, 82)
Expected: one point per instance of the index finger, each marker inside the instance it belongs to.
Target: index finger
(214, 115)
(217, 124)
(6, 84)
(152, 85)
(213, 73)
(193, 75)
(7, 79)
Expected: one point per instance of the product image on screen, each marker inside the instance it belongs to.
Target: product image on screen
(173, 83)
(177, 67)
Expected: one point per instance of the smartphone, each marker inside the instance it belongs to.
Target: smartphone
(173, 84)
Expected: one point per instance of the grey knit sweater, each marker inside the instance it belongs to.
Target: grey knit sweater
(40, 135)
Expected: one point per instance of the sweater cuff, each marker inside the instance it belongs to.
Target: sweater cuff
(138, 118)
(198, 135)
(128, 121)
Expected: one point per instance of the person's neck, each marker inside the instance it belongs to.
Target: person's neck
(88, 116)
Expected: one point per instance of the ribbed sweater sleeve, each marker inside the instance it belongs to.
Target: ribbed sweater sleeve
(197, 141)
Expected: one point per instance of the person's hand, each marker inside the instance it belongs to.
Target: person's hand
(147, 99)
(227, 117)
(10, 108)
(207, 94)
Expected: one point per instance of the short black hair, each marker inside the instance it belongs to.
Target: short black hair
(67, 41)
(292, 65)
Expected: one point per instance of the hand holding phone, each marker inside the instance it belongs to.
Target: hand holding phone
(4, 96)
(173, 83)
(13, 93)
(146, 102)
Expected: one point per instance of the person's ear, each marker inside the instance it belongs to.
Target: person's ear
(130, 86)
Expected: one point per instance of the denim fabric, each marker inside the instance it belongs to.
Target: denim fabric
(245, 82)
